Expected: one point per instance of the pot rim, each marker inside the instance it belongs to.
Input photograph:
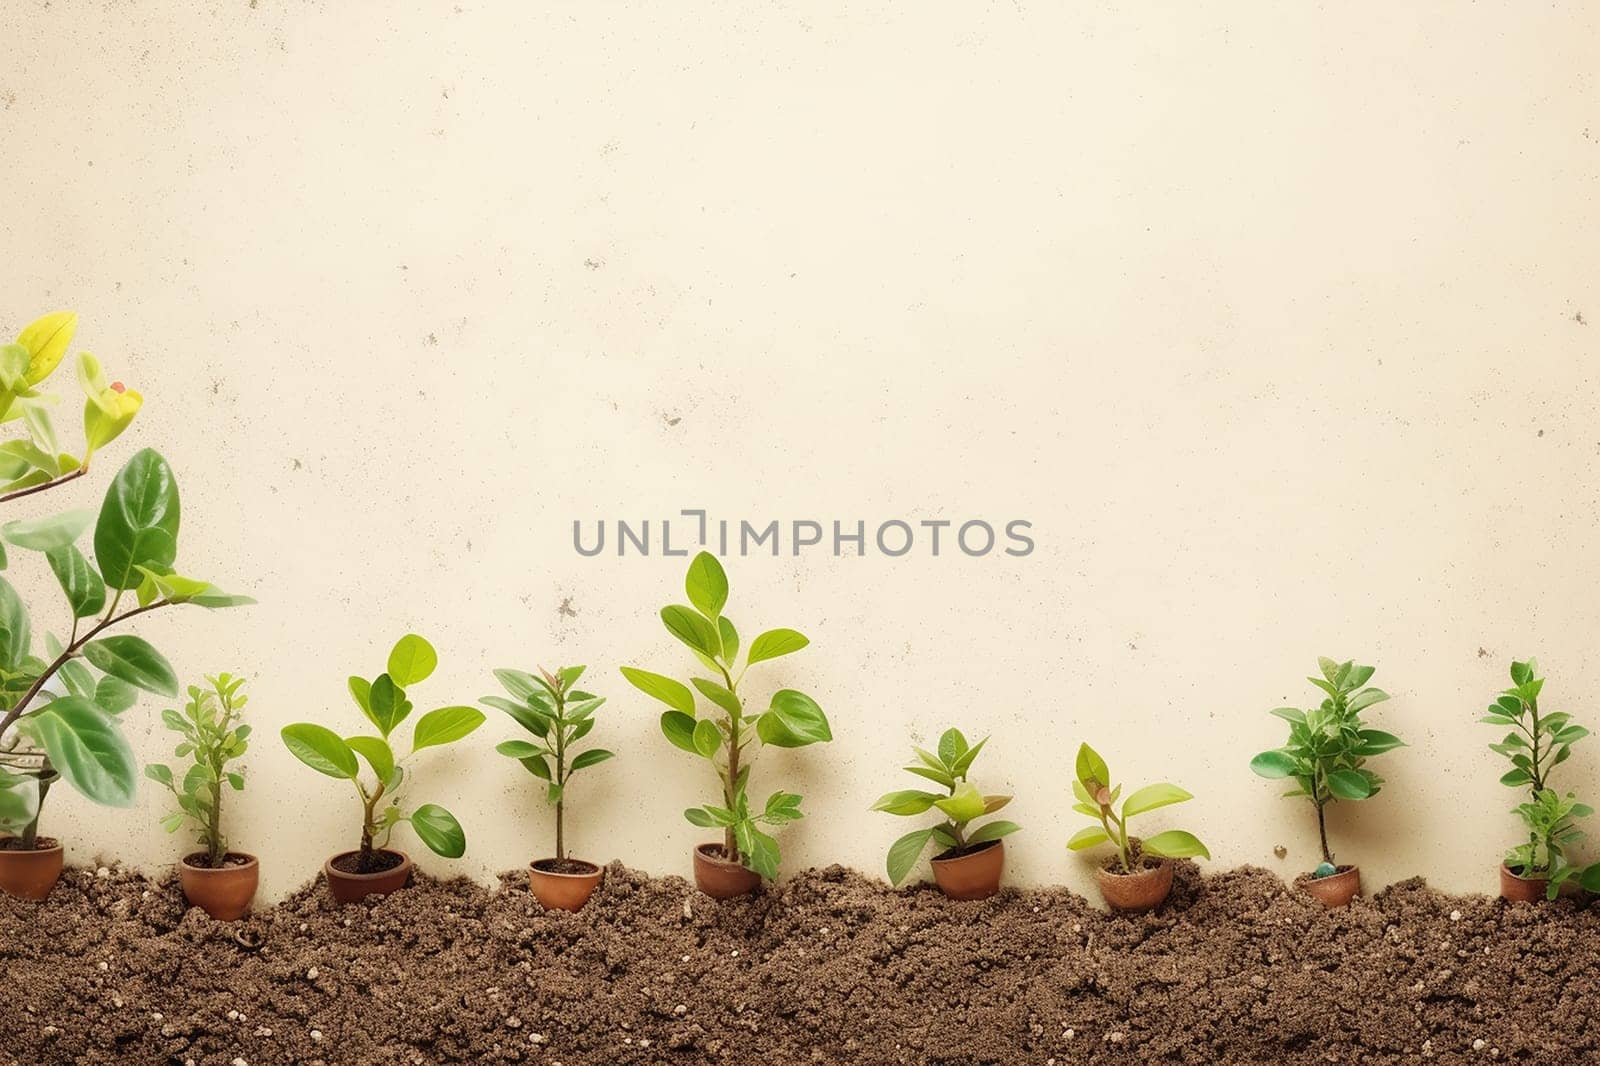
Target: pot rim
(58, 846)
(252, 862)
(1343, 870)
(594, 868)
(1509, 872)
(981, 849)
(329, 869)
(717, 860)
(1141, 873)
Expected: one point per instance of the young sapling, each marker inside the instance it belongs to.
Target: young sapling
(1097, 799)
(213, 735)
(961, 804)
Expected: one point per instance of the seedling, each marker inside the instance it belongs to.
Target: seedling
(384, 702)
(1329, 745)
(214, 735)
(71, 731)
(36, 462)
(1536, 745)
(792, 719)
(558, 716)
(961, 804)
(1097, 799)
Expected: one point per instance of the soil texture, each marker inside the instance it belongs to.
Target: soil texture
(202, 861)
(827, 967)
(39, 844)
(376, 862)
(564, 866)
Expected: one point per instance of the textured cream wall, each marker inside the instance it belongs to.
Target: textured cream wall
(1270, 319)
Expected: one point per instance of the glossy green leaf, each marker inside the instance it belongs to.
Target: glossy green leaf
(376, 751)
(725, 630)
(718, 695)
(992, 831)
(1174, 844)
(439, 830)
(952, 745)
(16, 631)
(389, 704)
(1150, 797)
(707, 737)
(412, 660)
(444, 726)
(138, 524)
(1349, 785)
(85, 592)
(904, 853)
(1091, 768)
(967, 803)
(692, 629)
(321, 749)
(592, 757)
(706, 584)
(87, 750)
(1088, 837)
(674, 694)
(135, 661)
(48, 533)
(774, 643)
(794, 720)
(679, 729)
(519, 749)
(1273, 764)
(905, 802)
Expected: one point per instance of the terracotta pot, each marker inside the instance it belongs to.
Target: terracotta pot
(1143, 890)
(347, 888)
(975, 875)
(225, 891)
(719, 878)
(30, 874)
(564, 891)
(1519, 889)
(1335, 890)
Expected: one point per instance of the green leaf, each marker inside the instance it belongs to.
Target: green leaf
(592, 757)
(1290, 714)
(707, 737)
(1376, 742)
(138, 524)
(699, 817)
(967, 803)
(758, 851)
(1516, 778)
(794, 720)
(412, 660)
(444, 726)
(904, 853)
(679, 729)
(133, 660)
(707, 584)
(159, 773)
(775, 643)
(439, 830)
(377, 753)
(113, 695)
(672, 693)
(993, 831)
(952, 745)
(936, 776)
(519, 749)
(1087, 837)
(964, 763)
(1273, 764)
(725, 630)
(361, 691)
(16, 632)
(1150, 797)
(48, 533)
(1174, 844)
(692, 629)
(86, 593)
(172, 822)
(1349, 784)
(87, 750)
(717, 695)
(1092, 769)
(1366, 698)
(905, 802)
(321, 749)
(389, 704)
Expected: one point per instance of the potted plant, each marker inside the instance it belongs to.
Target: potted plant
(1326, 757)
(970, 861)
(35, 462)
(725, 735)
(557, 716)
(374, 867)
(1138, 877)
(59, 713)
(1536, 745)
(219, 881)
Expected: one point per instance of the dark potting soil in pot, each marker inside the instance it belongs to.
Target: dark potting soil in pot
(971, 849)
(563, 866)
(202, 861)
(828, 966)
(378, 862)
(39, 844)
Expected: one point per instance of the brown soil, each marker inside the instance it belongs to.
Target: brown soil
(376, 862)
(39, 844)
(201, 860)
(971, 849)
(564, 866)
(827, 967)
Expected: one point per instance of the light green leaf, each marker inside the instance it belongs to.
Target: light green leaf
(444, 726)
(1273, 764)
(1349, 785)
(718, 695)
(967, 803)
(679, 729)
(48, 533)
(672, 693)
(321, 749)
(1150, 797)
(692, 629)
(389, 704)
(590, 758)
(87, 750)
(905, 802)
(377, 753)
(1092, 768)
(993, 831)
(16, 631)
(519, 749)
(707, 737)
(138, 524)
(794, 720)
(707, 584)
(1087, 837)
(1174, 844)
(774, 643)
(133, 660)
(412, 660)
(904, 853)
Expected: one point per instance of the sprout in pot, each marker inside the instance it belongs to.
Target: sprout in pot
(557, 716)
(1537, 744)
(59, 715)
(374, 867)
(1129, 880)
(219, 881)
(725, 736)
(970, 861)
(1326, 757)
(35, 462)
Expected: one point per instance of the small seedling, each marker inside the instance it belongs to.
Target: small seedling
(213, 735)
(1537, 744)
(383, 700)
(1329, 746)
(961, 804)
(557, 716)
(1097, 799)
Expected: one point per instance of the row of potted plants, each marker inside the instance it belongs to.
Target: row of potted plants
(59, 720)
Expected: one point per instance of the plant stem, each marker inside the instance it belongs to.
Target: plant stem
(561, 771)
(55, 483)
(1322, 830)
(730, 791)
(30, 832)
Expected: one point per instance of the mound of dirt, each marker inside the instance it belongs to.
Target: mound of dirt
(828, 967)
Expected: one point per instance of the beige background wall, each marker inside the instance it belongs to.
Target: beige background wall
(1269, 318)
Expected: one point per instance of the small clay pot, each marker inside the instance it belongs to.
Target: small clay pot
(225, 891)
(348, 888)
(719, 878)
(30, 874)
(1518, 889)
(560, 890)
(1143, 890)
(1335, 890)
(973, 875)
